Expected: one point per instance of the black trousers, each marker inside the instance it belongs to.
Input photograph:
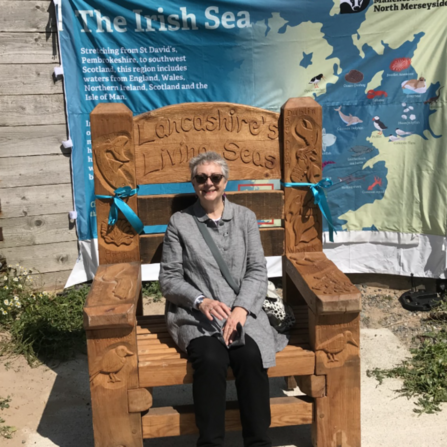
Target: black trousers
(210, 360)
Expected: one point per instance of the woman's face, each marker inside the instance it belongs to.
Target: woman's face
(209, 192)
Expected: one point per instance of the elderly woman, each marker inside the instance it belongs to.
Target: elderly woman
(207, 319)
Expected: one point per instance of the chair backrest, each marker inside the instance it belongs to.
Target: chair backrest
(155, 148)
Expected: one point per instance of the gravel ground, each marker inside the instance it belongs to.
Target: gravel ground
(381, 309)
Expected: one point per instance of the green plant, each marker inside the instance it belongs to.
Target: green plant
(38, 324)
(424, 374)
(4, 403)
(152, 289)
(6, 431)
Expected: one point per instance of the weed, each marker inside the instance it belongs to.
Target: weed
(6, 431)
(4, 403)
(151, 289)
(424, 375)
(40, 324)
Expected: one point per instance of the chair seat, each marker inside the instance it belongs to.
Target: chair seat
(161, 363)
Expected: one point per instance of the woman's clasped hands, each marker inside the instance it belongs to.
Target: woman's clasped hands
(216, 309)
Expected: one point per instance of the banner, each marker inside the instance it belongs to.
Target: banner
(376, 67)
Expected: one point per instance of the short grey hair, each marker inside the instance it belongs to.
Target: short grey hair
(209, 157)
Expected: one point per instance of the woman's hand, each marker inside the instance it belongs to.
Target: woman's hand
(213, 308)
(238, 315)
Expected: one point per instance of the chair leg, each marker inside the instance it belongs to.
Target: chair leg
(336, 421)
(112, 355)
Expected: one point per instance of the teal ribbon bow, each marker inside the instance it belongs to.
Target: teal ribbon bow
(119, 204)
(320, 200)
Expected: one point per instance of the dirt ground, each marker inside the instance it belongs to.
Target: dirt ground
(50, 404)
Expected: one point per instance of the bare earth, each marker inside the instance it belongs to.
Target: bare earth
(51, 404)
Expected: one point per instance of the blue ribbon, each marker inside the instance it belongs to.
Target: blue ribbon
(320, 200)
(119, 204)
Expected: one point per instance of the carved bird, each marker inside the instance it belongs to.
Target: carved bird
(112, 363)
(337, 344)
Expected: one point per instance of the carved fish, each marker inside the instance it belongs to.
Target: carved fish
(349, 120)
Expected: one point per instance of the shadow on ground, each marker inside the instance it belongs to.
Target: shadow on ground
(67, 417)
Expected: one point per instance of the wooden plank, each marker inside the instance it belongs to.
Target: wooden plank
(36, 200)
(177, 421)
(272, 241)
(34, 171)
(113, 370)
(151, 245)
(157, 210)
(324, 287)
(32, 140)
(336, 341)
(297, 361)
(112, 131)
(43, 258)
(29, 48)
(113, 298)
(302, 137)
(139, 400)
(36, 230)
(167, 138)
(29, 110)
(312, 386)
(29, 79)
(27, 16)
(51, 281)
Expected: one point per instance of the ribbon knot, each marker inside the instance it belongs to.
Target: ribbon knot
(320, 200)
(118, 204)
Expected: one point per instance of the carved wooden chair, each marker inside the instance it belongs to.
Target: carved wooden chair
(129, 353)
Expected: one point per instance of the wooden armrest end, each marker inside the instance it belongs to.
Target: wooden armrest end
(325, 288)
(113, 298)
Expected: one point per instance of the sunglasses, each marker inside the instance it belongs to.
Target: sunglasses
(202, 178)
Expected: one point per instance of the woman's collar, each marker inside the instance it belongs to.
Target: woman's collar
(227, 214)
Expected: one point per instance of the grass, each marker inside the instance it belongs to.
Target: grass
(424, 375)
(38, 325)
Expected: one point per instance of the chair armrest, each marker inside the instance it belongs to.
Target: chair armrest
(324, 287)
(113, 298)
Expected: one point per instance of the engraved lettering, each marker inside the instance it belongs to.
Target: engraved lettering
(211, 123)
(184, 122)
(171, 156)
(231, 151)
(257, 160)
(225, 121)
(152, 164)
(162, 129)
(270, 161)
(240, 122)
(144, 136)
(273, 134)
(246, 155)
(255, 127)
(198, 123)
